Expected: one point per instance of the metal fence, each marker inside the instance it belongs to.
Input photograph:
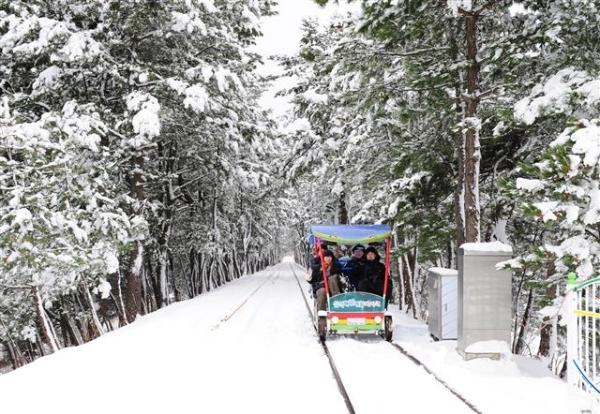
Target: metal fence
(583, 341)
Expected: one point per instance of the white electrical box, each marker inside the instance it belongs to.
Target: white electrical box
(443, 303)
(484, 297)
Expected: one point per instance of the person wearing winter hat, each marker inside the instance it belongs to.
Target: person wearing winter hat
(356, 265)
(373, 277)
(316, 278)
(358, 250)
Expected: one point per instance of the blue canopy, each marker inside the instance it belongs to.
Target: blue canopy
(351, 233)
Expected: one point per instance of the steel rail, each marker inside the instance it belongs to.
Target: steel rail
(334, 370)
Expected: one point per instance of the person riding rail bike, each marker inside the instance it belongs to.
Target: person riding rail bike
(316, 278)
(373, 277)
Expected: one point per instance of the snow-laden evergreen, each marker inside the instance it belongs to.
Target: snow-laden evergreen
(134, 165)
(393, 89)
(561, 189)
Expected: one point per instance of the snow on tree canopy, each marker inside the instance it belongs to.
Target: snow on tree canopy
(50, 239)
(455, 5)
(564, 191)
(207, 73)
(17, 38)
(47, 78)
(298, 125)
(83, 128)
(145, 122)
(582, 251)
(177, 85)
(554, 96)
(220, 76)
(80, 46)
(312, 96)
(196, 98)
(587, 142)
(592, 216)
(112, 262)
(21, 216)
(188, 22)
(529, 184)
(546, 209)
(208, 5)
(518, 9)
(103, 289)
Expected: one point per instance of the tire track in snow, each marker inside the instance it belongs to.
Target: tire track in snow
(334, 369)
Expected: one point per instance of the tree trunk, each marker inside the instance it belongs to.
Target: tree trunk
(95, 321)
(459, 195)
(472, 153)
(169, 155)
(16, 357)
(545, 335)
(401, 286)
(67, 339)
(133, 297)
(214, 212)
(547, 331)
(193, 279)
(162, 276)
(236, 265)
(31, 350)
(46, 330)
(84, 328)
(343, 210)
(72, 329)
(459, 191)
(409, 286)
(520, 342)
(116, 294)
(203, 273)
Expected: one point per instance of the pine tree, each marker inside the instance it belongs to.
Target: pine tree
(166, 94)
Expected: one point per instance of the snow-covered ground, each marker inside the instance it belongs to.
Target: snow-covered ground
(250, 347)
(515, 384)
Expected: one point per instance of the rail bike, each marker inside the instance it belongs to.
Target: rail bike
(353, 312)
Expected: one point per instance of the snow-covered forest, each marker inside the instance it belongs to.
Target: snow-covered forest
(138, 169)
(459, 122)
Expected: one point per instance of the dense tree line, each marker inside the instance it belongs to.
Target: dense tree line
(134, 162)
(459, 121)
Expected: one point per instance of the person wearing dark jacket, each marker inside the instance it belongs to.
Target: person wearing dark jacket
(356, 265)
(373, 277)
(316, 278)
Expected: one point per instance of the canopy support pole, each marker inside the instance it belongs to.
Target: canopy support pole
(325, 278)
(388, 251)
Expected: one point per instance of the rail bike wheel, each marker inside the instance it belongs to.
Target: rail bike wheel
(322, 327)
(388, 329)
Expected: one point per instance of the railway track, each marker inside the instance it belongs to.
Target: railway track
(334, 370)
(241, 305)
(400, 349)
(417, 362)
